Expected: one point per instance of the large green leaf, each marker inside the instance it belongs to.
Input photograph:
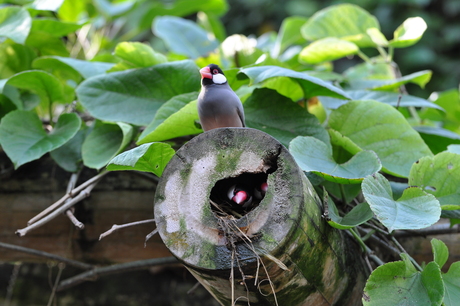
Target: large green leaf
(47, 44)
(289, 34)
(46, 5)
(183, 36)
(278, 116)
(409, 32)
(358, 215)
(313, 155)
(14, 58)
(45, 85)
(345, 21)
(69, 66)
(104, 142)
(414, 210)
(149, 157)
(134, 96)
(311, 86)
(68, 156)
(420, 78)
(137, 55)
(391, 98)
(54, 27)
(439, 176)
(15, 23)
(113, 9)
(23, 139)
(175, 118)
(451, 281)
(327, 49)
(381, 128)
(398, 283)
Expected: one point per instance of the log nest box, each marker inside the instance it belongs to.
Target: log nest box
(276, 251)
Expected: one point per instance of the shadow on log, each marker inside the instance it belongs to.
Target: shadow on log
(278, 250)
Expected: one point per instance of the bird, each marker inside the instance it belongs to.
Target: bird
(245, 195)
(218, 105)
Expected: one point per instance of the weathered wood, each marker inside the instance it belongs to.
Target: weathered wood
(308, 262)
(121, 197)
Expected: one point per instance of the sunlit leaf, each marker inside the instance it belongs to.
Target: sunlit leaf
(137, 55)
(381, 128)
(344, 21)
(149, 157)
(327, 49)
(451, 281)
(409, 32)
(440, 252)
(289, 34)
(54, 27)
(439, 176)
(414, 210)
(15, 23)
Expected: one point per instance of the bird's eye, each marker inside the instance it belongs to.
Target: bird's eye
(215, 71)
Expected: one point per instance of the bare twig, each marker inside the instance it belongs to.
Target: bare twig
(11, 283)
(150, 235)
(116, 227)
(437, 229)
(58, 258)
(70, 194)
(82, 195)
(61, 267)
(69, 212)
(119, 268)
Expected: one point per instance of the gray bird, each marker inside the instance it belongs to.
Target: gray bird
(218, 104)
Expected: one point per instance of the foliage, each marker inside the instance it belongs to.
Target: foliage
(88, 107)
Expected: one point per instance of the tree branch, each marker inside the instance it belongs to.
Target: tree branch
(70, 262)
(116, 227)
(119, 268)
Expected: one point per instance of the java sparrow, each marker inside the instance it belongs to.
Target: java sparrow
(243, 195)
(218, 104)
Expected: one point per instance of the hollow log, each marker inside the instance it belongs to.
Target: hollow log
(277, 251)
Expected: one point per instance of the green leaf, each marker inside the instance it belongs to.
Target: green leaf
(134, 96)
(344, 21)
(54, 27)
(212, 24)
(358, 215)
(454, 149)
(289, 34)
(420, 78)
(440, 252)
(183, 36)
(414, 210)
(14, 58)
(104, 142)
(327, 49)
(278, 116)
(46, 5)
(175, 118)
(47, 44)
(45, 85)
(377, 37)
(394, 284)
(68, 156)
(70, 66)
(313, 155)
(311, 86)
(439, 176)
(409, 33)
(138, 55)
(391, 98)
(23, 139)
(438, 139)
(149, 157)
(15, 23)
(113, 9)
(451, 281)
(381, 128)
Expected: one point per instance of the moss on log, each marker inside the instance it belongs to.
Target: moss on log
(279, 251)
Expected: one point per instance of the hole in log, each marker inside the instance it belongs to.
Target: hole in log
(238, 195)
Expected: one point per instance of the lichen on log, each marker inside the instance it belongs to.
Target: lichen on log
(278, 251)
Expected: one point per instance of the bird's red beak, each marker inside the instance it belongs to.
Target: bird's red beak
(240, 197)
(264, 187)
(206, 73)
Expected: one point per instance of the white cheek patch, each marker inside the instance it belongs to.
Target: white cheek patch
(219, 78)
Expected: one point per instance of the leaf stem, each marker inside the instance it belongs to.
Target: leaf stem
(364, 57)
